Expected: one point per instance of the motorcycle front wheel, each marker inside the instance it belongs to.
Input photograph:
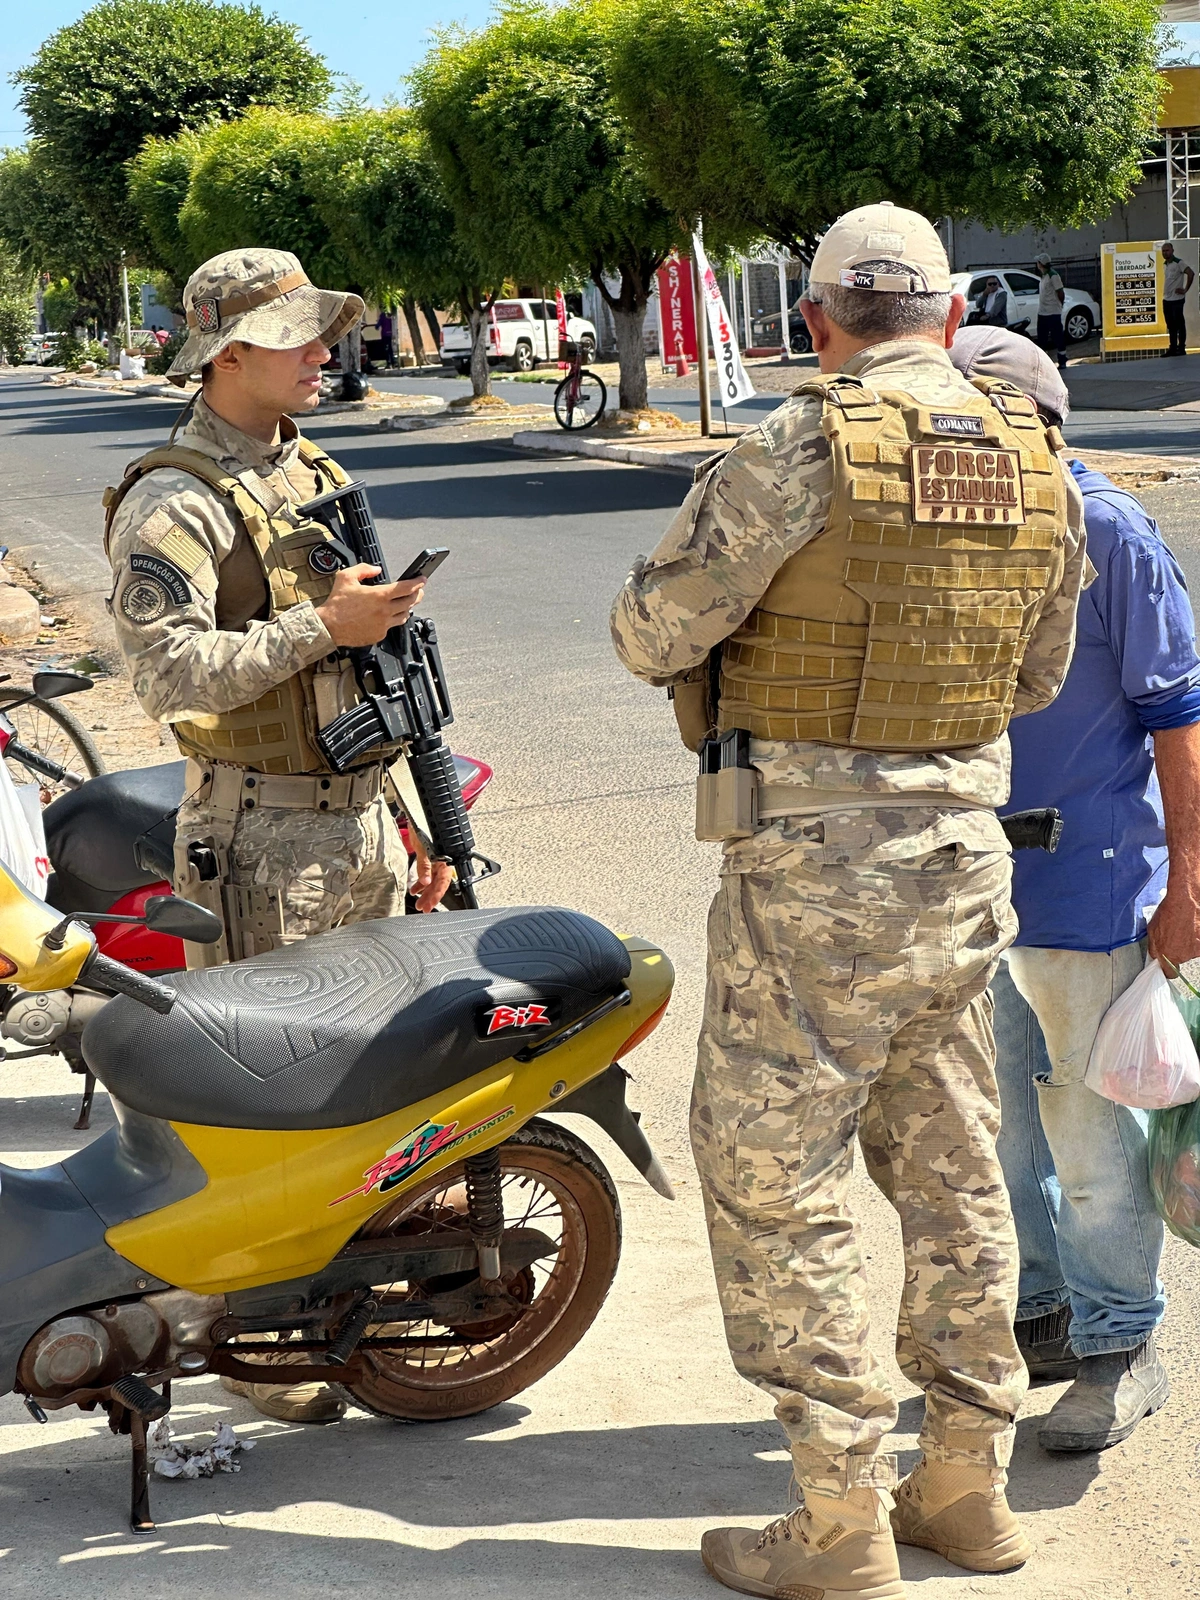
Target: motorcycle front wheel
(551, 1181)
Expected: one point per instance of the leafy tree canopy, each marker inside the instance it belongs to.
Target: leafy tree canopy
(129, 70)
(773, 116)
(537, 162)
(47, 230)
(259, 181)
(158, 184)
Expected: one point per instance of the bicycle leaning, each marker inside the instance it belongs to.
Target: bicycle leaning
(580, 399)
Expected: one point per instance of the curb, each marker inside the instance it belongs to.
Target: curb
(634, 455)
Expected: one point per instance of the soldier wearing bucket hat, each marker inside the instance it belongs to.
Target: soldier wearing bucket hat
(864, 591)
(235, 623)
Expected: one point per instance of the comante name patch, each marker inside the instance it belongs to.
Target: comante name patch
(167, 573)
(943, 422)
(966, 484)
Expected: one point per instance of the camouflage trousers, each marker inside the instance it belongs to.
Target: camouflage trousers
(329, 867)
(849, 997)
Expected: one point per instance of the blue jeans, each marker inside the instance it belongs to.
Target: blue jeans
(1077, 1172)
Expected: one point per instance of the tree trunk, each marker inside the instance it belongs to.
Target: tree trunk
(481, 375)
(432, 323)
(631, 357)
(414, 328)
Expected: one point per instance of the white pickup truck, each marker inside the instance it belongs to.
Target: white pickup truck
(521, 332)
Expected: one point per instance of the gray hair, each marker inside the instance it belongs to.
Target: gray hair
(873, 313)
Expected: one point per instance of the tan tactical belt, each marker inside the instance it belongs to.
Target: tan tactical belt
(228, 788)
(789, 800)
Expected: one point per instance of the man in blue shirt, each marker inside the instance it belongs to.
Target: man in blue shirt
(1075, 1163)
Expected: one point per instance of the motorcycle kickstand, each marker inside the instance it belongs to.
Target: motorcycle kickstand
(140, 1520)
(84, 1120)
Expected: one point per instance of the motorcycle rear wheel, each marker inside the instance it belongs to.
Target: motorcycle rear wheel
(553, 1182)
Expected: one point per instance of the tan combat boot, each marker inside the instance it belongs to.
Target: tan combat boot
(961, 1512)
(297, 1402)
(824, 1550)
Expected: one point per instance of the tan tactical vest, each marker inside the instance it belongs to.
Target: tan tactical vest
(903, 624)
(275, 733)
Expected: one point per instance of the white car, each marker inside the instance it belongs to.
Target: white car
(521, 332)
(1081, 314)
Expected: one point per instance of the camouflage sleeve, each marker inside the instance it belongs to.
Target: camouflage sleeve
(1048, 655)
(766, 498)
(168, 541)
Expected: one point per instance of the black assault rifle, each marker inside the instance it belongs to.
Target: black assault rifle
(405, 699)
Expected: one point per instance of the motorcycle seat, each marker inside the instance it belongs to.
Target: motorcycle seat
(352, 1025)
(112, 834)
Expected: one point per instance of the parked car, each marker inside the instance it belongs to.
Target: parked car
(521, 332)
(41, 350)
(1081, 314)
(764, 330)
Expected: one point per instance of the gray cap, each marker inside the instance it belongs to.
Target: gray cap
(997, 353)
(1043, 260)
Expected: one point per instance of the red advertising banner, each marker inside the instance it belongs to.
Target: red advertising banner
(560, 304)
(677, 310)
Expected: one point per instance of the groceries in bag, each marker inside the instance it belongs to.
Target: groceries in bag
(1144, 1055)
(1174, 1150)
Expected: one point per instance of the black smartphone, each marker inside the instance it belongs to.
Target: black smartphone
(425, 564)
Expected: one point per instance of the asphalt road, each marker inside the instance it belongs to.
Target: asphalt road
(598, 1481)
(1171, 432)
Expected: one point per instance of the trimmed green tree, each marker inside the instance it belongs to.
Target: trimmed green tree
(537, 162)
(382, 195)
(47, 230)
(129, 70)
(769, 117)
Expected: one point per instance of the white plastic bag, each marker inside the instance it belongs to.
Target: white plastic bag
(132, 366)
(1143, 1055)
(22, 836)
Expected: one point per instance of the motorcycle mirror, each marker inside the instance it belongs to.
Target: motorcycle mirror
(168, 913)
(53, 685)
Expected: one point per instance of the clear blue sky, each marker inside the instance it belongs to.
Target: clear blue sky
(371, 41)
(375, 42)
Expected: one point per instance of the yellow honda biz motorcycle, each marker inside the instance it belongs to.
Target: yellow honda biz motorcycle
(334, 1151)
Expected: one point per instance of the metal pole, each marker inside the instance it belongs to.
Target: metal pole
(125, 292)
(701, 349)
(1179, 223)
(785, 333)
(744, 264)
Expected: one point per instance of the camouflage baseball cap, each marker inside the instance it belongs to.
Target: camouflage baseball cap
(262, 297)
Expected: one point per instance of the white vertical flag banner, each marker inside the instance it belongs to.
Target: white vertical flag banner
(733, 381)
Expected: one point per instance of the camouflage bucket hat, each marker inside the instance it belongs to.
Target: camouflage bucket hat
(262, 297)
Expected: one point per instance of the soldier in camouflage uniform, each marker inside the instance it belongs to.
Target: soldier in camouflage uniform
(860, 916)
(234, 620)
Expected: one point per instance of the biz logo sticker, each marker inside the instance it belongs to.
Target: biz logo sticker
(416, 1150)
(503, 1017)
(323, 558)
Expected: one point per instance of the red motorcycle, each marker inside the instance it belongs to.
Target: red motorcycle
(111, 841)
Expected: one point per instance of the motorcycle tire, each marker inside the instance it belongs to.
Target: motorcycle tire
(546, 1172)
(50, 730)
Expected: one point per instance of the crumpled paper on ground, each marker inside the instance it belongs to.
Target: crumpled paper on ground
(176, 1459)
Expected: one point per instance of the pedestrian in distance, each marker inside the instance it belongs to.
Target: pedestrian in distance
(1051, 298)
(1178, 278)
(1118, 753)
(991, 306)
(871, 583)
(234, 618)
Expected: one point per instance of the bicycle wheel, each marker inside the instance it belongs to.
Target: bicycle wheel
(588, 406)
(50, 730)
